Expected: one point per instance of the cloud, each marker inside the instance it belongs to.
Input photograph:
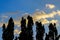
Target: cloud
(42, 15)
(38, 15)
(44, 21)
(50, 6)
(4, 16)
(17, 22)
(54, 21)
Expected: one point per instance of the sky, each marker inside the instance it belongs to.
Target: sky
(46, 11)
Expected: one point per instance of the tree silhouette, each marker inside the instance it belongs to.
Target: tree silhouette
(40, 31)
(55, 30)
(27, 32)
(4, 31)
(3, 27)
(22, 35)
(8, 33)
(10, 29)
(52, 35)
(29, 28)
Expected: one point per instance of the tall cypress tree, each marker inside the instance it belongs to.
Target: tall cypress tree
(10, 30)
(40, 31)
(22, 35)
(29, 28)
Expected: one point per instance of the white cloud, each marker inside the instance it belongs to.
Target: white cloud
(39, 15)
(44, 21)
(54, 21)
(50, 6)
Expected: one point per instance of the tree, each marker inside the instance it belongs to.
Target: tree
(29, 28)
(3, 27)
(40, 31)
(52, 32)
(55, 30)
(8, 33)
(22, 35)
(10, 30)
(4, 31)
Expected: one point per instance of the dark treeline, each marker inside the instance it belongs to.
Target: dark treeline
(27, 31)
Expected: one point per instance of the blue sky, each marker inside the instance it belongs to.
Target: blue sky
(13, 8)
(25, 5)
